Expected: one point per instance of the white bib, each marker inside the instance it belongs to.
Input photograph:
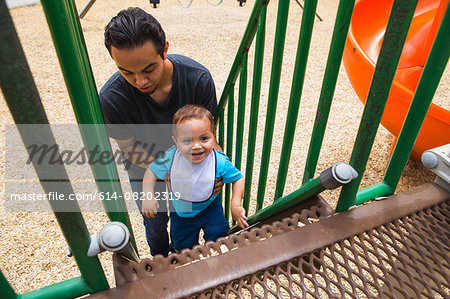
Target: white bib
(193, 182)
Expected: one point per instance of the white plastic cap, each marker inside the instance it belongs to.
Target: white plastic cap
(344, 173)
(430, 160)
(113, 236)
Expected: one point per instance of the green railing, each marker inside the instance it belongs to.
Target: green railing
(396, 31)
(23, 100)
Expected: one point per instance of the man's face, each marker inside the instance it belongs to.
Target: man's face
(142, 67)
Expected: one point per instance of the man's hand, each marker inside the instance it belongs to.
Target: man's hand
(238, 213)
(218, 186)
(150, 208)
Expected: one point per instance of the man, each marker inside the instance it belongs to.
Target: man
(149, 87)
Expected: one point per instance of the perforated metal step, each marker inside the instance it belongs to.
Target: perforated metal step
(395, 248)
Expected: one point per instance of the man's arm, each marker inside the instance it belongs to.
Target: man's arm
(206, 92)
(135, 153)
(219, 182)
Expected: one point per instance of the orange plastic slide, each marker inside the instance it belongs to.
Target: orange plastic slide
(366, 33)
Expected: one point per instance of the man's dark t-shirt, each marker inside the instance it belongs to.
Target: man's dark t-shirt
(127, 110)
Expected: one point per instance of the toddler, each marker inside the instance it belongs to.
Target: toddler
(190, 169)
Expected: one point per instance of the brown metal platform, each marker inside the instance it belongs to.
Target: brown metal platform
(394, 248)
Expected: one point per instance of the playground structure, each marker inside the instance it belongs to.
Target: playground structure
(363, 46)
(291, 254)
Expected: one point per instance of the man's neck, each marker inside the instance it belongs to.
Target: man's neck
(161, 94)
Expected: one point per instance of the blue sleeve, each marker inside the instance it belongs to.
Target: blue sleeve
(227, 171)
(161, 166)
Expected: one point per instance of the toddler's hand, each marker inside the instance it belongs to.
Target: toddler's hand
(238, 213)
(149, 208)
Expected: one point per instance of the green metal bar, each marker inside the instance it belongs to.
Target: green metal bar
(221, 129)
(230, 124)
(280, 36)
(6, 291)
(23, 100)
(246, 42)
(68, 39)
(312, 188)
(301, 60)
(241, 111)
(391, 49)
(374, 191)
(340, 32)
(254, 106)
(221, 143)
(70, 288)
(230, 131)
(429, 81)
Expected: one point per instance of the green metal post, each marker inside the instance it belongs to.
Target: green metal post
(221, 142)
(301, 59)
(247, 39)
(280, 36)
(23, 100)
(68, 38)
(241, 110)
(230, 124)
(254, 106)
(67, 289)
(221, 129)
(6, 291)
(429, 81)
(230, 135)
(312, 188)
(371, 192)
(340, 32)
(391, 49)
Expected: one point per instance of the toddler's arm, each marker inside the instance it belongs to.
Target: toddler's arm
(237, 210)
(149, 205)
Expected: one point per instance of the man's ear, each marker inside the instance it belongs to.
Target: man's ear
(166, 49)
(174, 140)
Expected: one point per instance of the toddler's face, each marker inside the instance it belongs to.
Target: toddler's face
(194, 139)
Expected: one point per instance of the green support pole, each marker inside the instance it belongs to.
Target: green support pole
(68, 39)
(301, 60)
(391, 49)
(312, 188)
(254, 105)
(241, 111)
(6, 291)
(230, 130)
(280, 36)
(221, 142)
(247, 40)
(371, 192)
(429, 81)
(23, 100)
(67, 289)
(340, 32)
(221, 130)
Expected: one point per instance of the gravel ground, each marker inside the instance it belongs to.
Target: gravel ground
(32, 246)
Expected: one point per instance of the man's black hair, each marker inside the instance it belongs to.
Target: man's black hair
(132, 28)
